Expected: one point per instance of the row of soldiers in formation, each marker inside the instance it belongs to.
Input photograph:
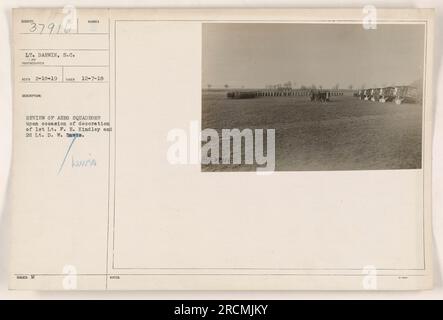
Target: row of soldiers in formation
(314, 94)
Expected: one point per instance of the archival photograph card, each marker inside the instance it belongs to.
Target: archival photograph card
(221, 149)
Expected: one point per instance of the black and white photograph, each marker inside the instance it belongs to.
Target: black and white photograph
(238, 155)
(337, 96)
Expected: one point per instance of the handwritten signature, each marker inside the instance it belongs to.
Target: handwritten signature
(90, 162)
(66, 154)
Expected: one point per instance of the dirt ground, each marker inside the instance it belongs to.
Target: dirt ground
(343, 134)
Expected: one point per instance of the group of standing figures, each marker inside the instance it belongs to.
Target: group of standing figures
(322, 96)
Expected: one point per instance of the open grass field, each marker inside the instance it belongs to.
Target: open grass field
(343, 134)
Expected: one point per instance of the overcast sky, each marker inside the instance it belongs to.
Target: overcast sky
(254, 55)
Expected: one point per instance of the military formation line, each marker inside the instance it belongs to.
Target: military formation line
(398, 94)
(314, 94)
